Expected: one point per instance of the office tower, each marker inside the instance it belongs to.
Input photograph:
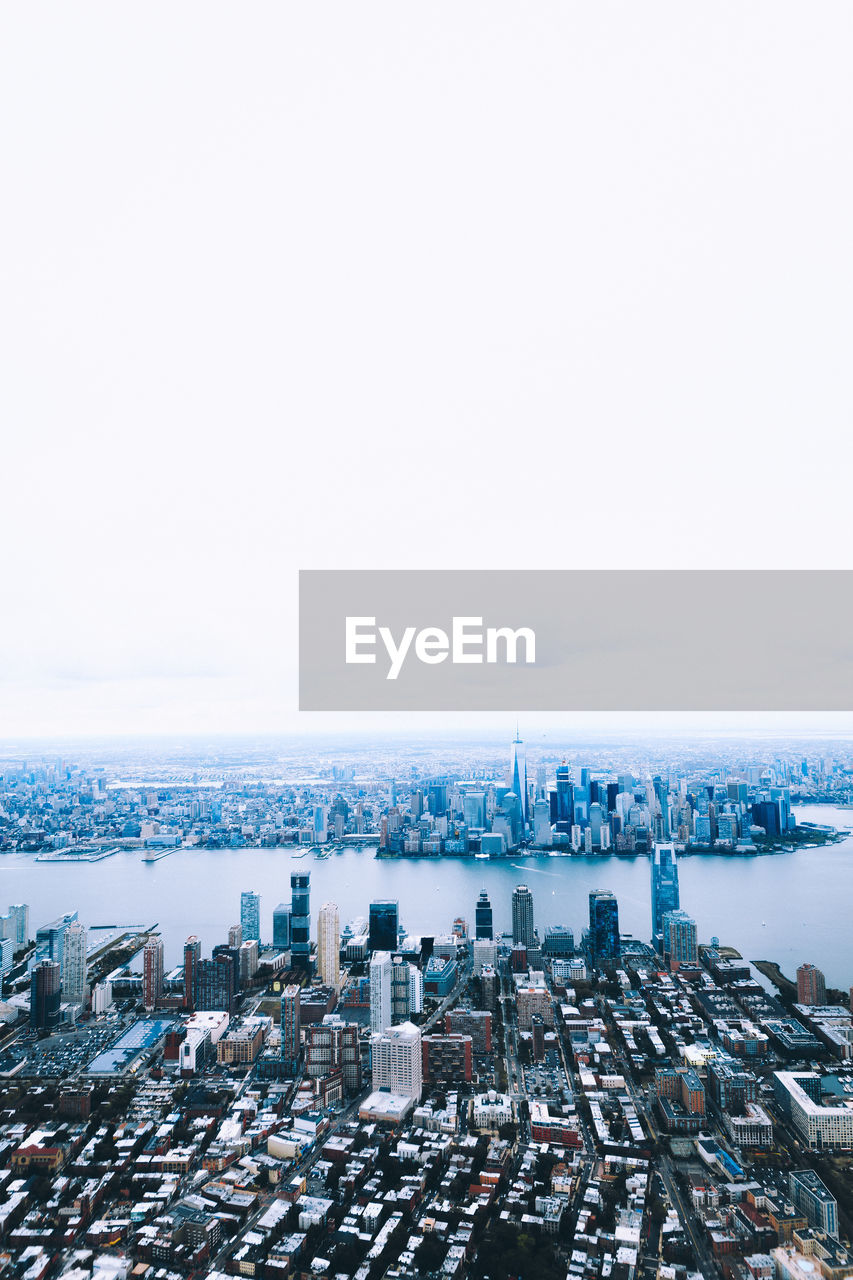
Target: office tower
(474, 809)
(522, 916)
(74, 967)
(215, 983)
(291, 1033)
(235, 936)
(396, 1061)
(400, 990)
(329, 944)
(192, 959)
(383, 925)
(542, 835)
(518, 776)
(247, 961)
(281, 927)
(380, 991)
(7, 957)
(811, 985)
(50, 938)
(15, 925)
(300, 920)
(603, 938)
(483, 924)
(664, 886)
(565, 814)
(813, 1198)
(250, 915)
(44, 995)
(321, 825)
(680, 946)
(152, 972)
(437, 798)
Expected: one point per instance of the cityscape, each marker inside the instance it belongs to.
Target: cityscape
(357, 1078)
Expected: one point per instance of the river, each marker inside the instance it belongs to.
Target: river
(789, 908)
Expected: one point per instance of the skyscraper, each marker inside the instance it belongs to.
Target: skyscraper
(215, 983)
(664, 886)
(281, 926)
(396, 1060)
(483, 923)
(50, 938)
(383, 925)
(74, 968)
(300, 920)
(329, 944)
(381, 1012)
(250, 915)
(811, 985)
(152, 972)
(603, 927)
(291, 1033)
(44, 995)
(192, 960)
(522, 916)
(235, 936)
(518, 775)
(680, 946)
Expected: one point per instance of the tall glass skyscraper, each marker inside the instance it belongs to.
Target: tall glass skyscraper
(518, 775)
(664, 884)
(281, 926)
(383, 925)
(300, 920)
(483, 923)
(603, 927)
(250, 915)
(522, 916)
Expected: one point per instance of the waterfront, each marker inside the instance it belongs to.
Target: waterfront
(786, 907)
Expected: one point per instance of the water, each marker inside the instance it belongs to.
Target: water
(787, 907)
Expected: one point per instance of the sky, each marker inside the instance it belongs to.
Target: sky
(394, 286)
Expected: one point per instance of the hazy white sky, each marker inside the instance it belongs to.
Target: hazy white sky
(388, 285)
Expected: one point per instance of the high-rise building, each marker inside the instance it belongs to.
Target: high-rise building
(45, 995)
(381, 1012)
(396, 1061)
(811, 985)
(215, 983)
(329, 944)
(603, 927)
(400, 990)
(192, 960)
(74, 968)
(247, 961)
(281, 927)
(483, 923)
(250, 915)
(235, 936)
(152, 972)
(300, 920)
(812, 1197)
(680, 943)
(15, 925)
(291, 1032)
(383, 925)
(50, 938)
(333, 1045)
(664, 886)
(522, 916)
(474, 809)
(518, 776)
(564, 815)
